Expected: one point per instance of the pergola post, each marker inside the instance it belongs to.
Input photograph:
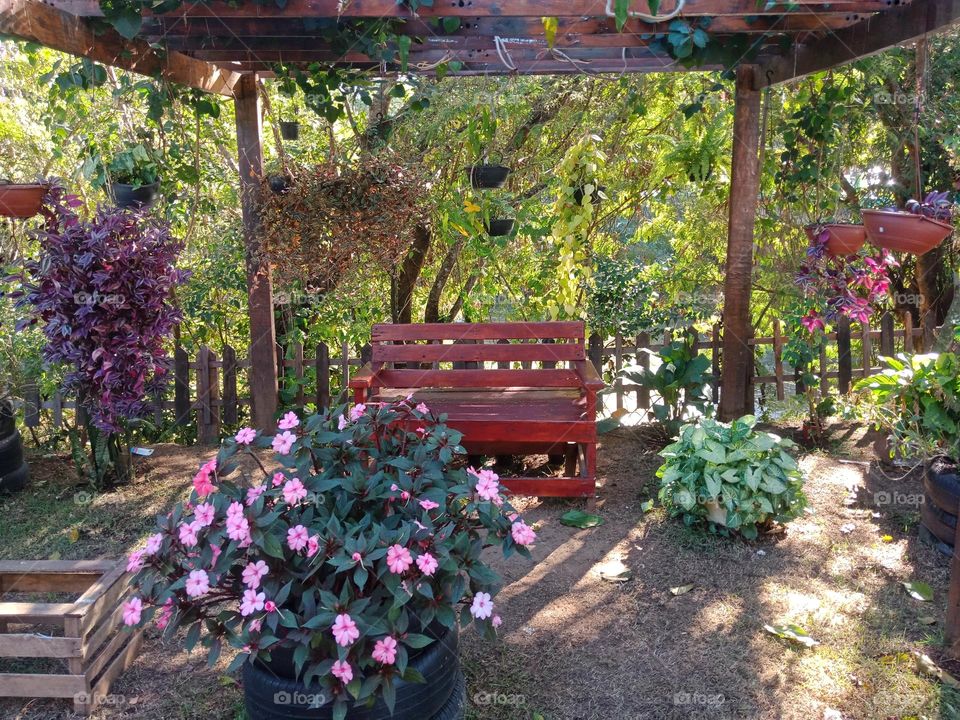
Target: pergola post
(738, 281)
(263, 357)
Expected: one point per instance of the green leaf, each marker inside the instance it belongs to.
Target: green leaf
(550, 25)
(646, 506)
(654, 6)
(919, 590)
(793, 633)
(621, 11)
(127, 22)
(681, 589)
(450, 24)
(580, 519)
(403, 43)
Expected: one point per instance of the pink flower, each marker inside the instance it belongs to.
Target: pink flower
(496, 621)
(135, 561)
(253, 573)
(204, 514)
(398, 559)
(297, 538)
(278, 479)
(188, 533)
(245, 436)
(522, 533)
(215, 552)
(404, 496)
(357, 411)
(202, 484)
(482, 606)
(427, 563)
(270, 606)
(131, 611)
(255, 492)
(166, 612)
(154, 543)
(252, 601)
(294, 492)
(429, 505)
(357, 557)
(341, 422)
(238, 528)
(385, 651)
(342, 671)
(394, 487)
(422, 408)
(283, 442)
(345, 630)
(288, 421)
(313, 545)
(256, 625)
(198, 583)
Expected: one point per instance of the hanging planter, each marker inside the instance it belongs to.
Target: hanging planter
(290, 130)
(595, 197)
(488, 177)
(21, 200)
(904, 231)
(135, 197)
(500, 227)
(842, 238)
(278, 183)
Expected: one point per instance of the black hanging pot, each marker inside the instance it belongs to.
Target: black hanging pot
(499, 228)
(290, 130)
(594, 196)
(487, 177)
(135, 197)
(271, 692)
(278, 183)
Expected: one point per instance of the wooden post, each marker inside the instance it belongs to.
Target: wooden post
(738, 281)
(714, 364)
(323, 376)
(886, 335)
(866, 348)
(230, 401)
(263, 362)
(618, 365)
(298, 372)
(643, 360)
(595, 352)
(181, 386)
(778, 358)
(208, 397)
(929, 332)
(845, 369)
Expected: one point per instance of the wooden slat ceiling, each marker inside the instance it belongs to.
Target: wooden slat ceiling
(251, 35)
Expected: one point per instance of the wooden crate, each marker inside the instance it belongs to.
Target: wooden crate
(93, 644)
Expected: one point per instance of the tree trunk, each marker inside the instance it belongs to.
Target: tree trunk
(403, 283)
(431, 313)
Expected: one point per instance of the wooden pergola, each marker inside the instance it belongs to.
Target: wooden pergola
(223, 48)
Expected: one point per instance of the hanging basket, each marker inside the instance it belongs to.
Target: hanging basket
(499, 228)
(21, 200)
(906, 232)
(842, 239)
(134, 197)
(488, 177)
(290, 130)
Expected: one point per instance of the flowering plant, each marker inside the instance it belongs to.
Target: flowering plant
(353, 552)
(842, 286)
(936, 205)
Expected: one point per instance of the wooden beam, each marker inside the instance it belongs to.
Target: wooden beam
(887, 29)
(40, 23)
(537, 67)
(738, 281)
(263, 356)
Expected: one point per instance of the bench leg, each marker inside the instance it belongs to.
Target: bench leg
(570, 460)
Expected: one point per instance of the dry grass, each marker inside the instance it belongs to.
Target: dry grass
(576, 647)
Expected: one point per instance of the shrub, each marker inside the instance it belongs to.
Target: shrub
(716, 469)
(371, 529)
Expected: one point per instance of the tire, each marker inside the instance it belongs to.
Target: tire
(16, 480)
(927, 537)
(272, 697)
(7, 422)
(942, 525)
(942, 485)
(11, 453)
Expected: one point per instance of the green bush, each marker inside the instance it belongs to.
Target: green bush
(718, 469)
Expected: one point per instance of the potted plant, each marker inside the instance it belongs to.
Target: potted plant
(921, 228)
(499, 227)
(134, 177)
(837, 238)
(290, 130)
(487, 177)
(337, 569)
(21, 200)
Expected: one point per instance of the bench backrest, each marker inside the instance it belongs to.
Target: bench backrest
(515, 354)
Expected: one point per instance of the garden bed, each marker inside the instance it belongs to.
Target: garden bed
(575, 646)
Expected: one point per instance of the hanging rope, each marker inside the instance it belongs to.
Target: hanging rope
(921, 62)
(646, 17)
(504, 54)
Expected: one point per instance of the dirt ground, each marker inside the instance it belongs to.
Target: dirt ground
(574, 646)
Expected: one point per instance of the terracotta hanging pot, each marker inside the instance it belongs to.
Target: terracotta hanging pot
(21, 200)
(903, 231)
(843, 238)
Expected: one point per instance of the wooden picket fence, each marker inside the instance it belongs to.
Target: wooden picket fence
(205, 389)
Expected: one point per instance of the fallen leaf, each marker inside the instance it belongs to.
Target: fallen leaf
(74, 534)
(580, 519)
(919, 590)
(622, 576)
(681, 589)
(646, 506)
(791, 632)
(927, 620)
(847, 528)
(55, 555)
(926, 666)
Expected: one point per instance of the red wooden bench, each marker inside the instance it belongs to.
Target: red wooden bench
(492, 393)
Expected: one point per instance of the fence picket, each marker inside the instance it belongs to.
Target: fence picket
(230, 402)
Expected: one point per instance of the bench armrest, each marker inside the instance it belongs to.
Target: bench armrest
(588, 375)
(364, 378)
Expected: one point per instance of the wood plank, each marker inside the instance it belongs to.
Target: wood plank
(181, 386)
(843, 352)
(322, 363)
(230, 402)
(101, 688)
(866, 348)
(35, 645)
(886, 335)
(550, 487)
(522, 67)
(484, 352)
(41, 685)
(479, 378)
(618, 366)
(27, 613)
(390, 332)
(643, 360)
(56, 567)
(94, 637)
(298, 372)
(76, 582)
(41, 23)
(504, 430)
(778, 358)
(909, 345)
(101, 598)
(106, 653)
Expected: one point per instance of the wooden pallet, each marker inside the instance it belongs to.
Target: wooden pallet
(94, 646)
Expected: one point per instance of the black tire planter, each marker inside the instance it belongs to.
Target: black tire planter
(927, 537)
(11, 452)
(499, 228)
(7, 420)
(15, 480)
(941, 484)
(487, 177)
(271, 693)
(290, 130)
(942, 525)
(135, 198)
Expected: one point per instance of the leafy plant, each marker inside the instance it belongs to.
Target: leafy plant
(936, 205)
(730, 477)
(353, 550)
(916, 399)
(137, 165)
(678, 382)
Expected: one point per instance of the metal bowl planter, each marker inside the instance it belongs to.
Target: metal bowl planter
(133, 197)
(290, 130)
(499, 228)
(21, 200)
(488, 177)
(843, 238)
(906, 232)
